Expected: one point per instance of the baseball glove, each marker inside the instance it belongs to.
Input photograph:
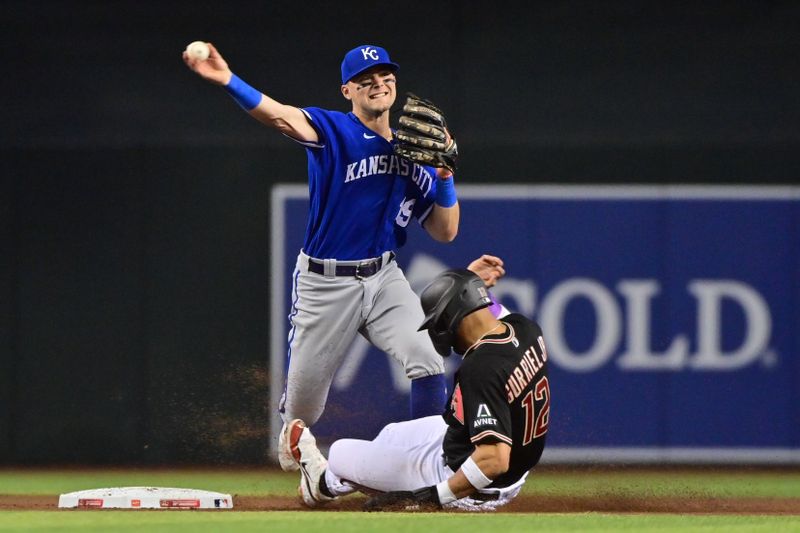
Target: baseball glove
(424, 499)
(422, 136)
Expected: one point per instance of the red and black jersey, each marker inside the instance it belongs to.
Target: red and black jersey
(501, 394)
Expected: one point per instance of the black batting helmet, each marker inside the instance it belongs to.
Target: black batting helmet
(447, 300)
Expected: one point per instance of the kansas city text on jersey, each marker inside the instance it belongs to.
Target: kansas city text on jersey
(524, 372)
(389, 164)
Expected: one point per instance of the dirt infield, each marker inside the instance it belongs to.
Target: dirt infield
(522, 504)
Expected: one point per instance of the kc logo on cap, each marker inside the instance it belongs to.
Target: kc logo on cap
(370, 53)
(363, 57)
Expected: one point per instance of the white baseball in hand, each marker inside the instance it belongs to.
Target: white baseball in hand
(198, 50)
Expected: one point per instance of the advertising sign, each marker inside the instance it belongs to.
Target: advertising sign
(671, 316)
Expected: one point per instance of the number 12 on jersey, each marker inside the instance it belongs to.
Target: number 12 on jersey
(536, 422)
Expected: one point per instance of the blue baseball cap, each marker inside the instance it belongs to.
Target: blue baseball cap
(363, 57)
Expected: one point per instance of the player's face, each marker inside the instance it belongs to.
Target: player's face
(373, 90)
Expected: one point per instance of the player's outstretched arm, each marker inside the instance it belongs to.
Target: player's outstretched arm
(284, 118)
(486, 463)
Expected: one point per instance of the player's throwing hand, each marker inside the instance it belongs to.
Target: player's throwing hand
(214, 69)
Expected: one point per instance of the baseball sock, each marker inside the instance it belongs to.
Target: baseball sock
(428, 396)
(323, 486)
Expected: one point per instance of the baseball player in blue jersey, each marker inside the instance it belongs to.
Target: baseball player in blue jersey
(362, 197)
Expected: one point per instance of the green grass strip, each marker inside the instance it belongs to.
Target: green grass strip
(345, 522)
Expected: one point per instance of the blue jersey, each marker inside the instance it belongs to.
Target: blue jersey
(362, 196)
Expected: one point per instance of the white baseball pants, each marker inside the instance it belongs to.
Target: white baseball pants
(404, 456)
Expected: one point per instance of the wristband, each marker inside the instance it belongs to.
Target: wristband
(445, 192)
(445, 494)
(245, 96)
(474, 474)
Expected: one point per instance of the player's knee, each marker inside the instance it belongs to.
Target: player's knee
(335, 450)
(387, 430)
(426, 362)
(422, 370)
(343, 455)
(345, 447)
